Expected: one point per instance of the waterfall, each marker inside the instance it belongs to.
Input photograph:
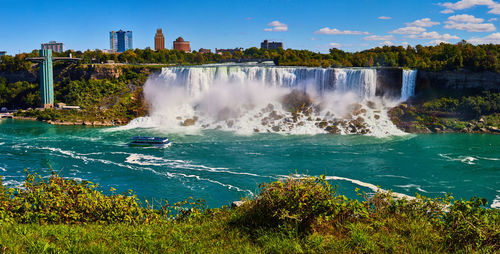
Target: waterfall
(409, 80)
(196, 80)
(200, 79)
(362, 82)
(248, 99)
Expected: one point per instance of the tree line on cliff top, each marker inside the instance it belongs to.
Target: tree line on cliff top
(433, 58)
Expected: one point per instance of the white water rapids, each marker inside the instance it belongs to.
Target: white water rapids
(248, 99)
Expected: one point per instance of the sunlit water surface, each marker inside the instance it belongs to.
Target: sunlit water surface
(221, 167)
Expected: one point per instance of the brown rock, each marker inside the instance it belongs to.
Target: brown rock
(323, 124)
(189, 122)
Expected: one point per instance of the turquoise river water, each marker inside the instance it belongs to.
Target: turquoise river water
(220, 166)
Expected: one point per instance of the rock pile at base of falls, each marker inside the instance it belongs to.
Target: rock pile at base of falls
(300, 112)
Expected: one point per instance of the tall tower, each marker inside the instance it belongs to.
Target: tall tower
(46, 78)
(120, 41)
(159, 40)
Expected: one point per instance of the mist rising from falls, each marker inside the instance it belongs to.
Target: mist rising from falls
(248, 99)
(409, 81)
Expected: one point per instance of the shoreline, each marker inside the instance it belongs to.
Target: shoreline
(403, 126)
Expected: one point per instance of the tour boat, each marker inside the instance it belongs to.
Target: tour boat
(149, 142)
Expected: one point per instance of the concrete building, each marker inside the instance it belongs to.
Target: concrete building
(46, 78)
(159, 40)
(182, 45)
(54, 46)
(232, 51)
(271, 45)
(120, 41)
(205, 51)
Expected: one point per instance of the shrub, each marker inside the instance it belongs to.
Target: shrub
(60, 200)
(296, 203)
(469, 224)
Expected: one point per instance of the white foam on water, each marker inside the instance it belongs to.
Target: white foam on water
(409, 186)
(176, 164)
(370, 186)
(3, 169)
(13, 183)
(489, 159)
(392, 176)
(496, 202)
(464, 159)
(149, 160)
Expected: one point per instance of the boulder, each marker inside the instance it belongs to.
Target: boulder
(237, 203)
(189, 122)
(296, 101)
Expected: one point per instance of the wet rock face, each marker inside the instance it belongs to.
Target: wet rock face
(189, 122)
(389, 82)
(296, 101)
(429, 82)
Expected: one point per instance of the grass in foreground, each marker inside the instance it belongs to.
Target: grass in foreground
(290, 216)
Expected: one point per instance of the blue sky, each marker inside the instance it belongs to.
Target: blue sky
(313, 25)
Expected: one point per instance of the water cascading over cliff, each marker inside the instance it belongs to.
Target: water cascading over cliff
(248, 99)
(409, 81)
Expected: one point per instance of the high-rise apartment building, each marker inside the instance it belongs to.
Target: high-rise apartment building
(55, 46)
(159, 40)
(120, 41)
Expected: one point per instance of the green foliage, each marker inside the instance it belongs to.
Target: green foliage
(43, 115)
(16, 63)
(87, 93)
(59, 200)
(297, 215)
(19, 94)
(433, 58)
(484, 104)
(469, 225)
(296, 203)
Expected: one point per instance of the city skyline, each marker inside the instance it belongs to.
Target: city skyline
(312, 25)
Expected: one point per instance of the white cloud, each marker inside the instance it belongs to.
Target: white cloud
(384, 17)
(425, 22)
(492, 38)
(386, 43)
(468, 23)
(408, 30)
(464, 18)
(492, 19)
(335, 45)
(433, 35)
(379, 38)
(437, 42)
(471, 27)
(276, 26)
(314, 39)
(335, 31)
(447, 11)
(466, 4)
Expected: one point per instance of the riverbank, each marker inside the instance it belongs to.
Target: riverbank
(289, 216)
(460, 114)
